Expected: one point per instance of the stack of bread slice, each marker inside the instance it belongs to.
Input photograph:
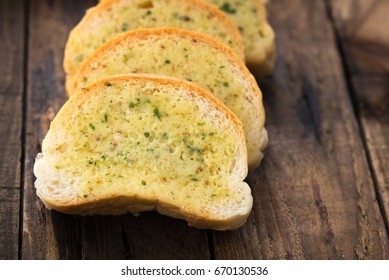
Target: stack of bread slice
(163, 113)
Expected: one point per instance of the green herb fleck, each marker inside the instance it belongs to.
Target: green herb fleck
(157, 113)
(226, 7)
(85, 195)
(226, 84)
(146, 134)
(195, 179)
(148, 12)
(57, 167)
(167, 61)
(143, 182)
(194, 149)
(108, 84)
(79, 57)
(85, 79)
(92, 126)
(91, 161)
(125, 58)
(175, 15)
(125, 26)
(83, 132)
(105, 117)
(131, 105)
(201, 123)
(185, 18)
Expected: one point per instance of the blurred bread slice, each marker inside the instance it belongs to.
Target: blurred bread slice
(258, 36)
(112, 17)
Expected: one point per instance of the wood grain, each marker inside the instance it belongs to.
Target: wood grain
(314, 197)
(11, 114)
(363, 35)
(49, 234)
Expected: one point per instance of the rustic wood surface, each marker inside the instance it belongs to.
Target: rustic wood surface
(322, 191)
(11, 107)
(364, 39)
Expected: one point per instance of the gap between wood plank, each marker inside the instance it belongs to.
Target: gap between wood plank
(211, 246)
(24, 124)
(353, 98)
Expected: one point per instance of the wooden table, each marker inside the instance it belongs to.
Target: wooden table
(322, 191)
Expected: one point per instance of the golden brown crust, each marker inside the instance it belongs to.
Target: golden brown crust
(119, 204)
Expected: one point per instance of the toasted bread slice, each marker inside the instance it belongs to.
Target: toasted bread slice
(258, 36)
(141, 142)
(112, 17)
(188, 55)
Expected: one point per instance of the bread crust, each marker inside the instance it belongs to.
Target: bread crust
(119, 204)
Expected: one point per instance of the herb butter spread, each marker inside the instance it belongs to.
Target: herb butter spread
(187, 55)
(110, 18)
(151, 138)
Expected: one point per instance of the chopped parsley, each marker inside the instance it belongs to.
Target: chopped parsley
(226, 7)
(157, 113)
(125, 26)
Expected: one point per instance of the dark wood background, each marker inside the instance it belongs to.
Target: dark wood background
(322, 191)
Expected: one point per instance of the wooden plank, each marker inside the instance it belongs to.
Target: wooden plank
(362, 29)
(313, 194)
(51, 235)
(11, 115)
